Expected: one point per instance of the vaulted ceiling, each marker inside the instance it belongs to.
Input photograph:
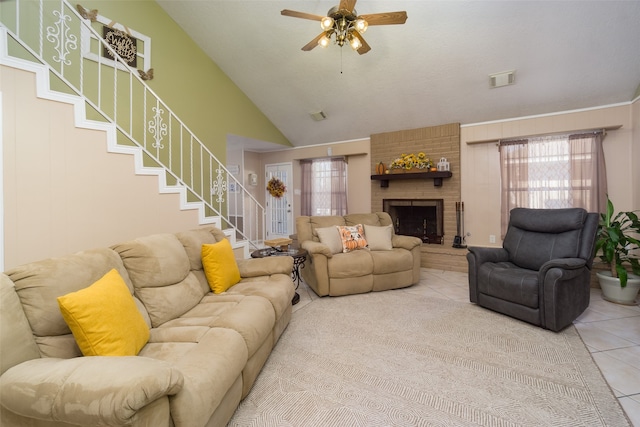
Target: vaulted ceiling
(432, 70)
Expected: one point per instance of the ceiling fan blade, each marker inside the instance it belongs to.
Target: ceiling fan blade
(385, 18)
(313, 43)
(365, 46)
(303, 15)
(347, 5)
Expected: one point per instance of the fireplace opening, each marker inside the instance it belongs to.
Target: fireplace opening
(422, 218)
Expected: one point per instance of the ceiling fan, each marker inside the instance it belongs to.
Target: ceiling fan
(343, 23)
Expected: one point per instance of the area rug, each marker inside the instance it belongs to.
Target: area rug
(398, 359)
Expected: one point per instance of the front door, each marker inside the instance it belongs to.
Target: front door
(280, 209)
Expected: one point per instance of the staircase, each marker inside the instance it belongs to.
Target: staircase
(136, 121)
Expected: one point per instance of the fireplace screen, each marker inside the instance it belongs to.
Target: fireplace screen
(417, 217)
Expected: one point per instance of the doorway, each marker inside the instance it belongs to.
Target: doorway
(279, 210)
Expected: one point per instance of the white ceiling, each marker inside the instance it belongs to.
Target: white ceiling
(432, 70)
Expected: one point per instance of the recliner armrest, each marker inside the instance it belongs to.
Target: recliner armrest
(316, 248)
(255, 267)
(405, 242)
(97, 390)
(566, 263)
(484, 254)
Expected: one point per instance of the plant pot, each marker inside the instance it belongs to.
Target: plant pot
(612, 291)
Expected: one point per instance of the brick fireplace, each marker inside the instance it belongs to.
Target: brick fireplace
(435, 142)
(420, 218)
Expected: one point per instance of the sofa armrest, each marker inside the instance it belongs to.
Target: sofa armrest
(93, 390)
(316, 248)
(405, 242)
(267, 266)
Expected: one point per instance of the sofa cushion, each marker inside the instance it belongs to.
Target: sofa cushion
(392, 261)
(352, 237)
(331, 237)
(352, 264)
(322, 222)
(16, 341)
(536, 236)
(277, 288)
(509, 282)
(192, 241)
(379, 238)
(104, 318)
(252, 317)
(364, 218)
(210, 361)
(220, 266)
(160, 272)
(38, 284)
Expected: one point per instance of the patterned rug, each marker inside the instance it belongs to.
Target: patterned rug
(397, 359)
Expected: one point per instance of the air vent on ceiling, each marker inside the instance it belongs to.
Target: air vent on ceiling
(505, 78)
(320, 115)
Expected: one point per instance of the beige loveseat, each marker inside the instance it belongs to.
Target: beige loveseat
(329, 271)
(204, 352)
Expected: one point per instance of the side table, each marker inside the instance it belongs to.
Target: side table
(299, 257)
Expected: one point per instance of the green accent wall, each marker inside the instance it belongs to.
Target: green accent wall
(188, 81)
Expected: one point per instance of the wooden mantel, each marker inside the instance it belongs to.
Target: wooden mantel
(435, 176)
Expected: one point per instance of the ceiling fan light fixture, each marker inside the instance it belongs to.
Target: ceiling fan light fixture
(361, 25)
(354, 42)
(326, 23)
(343, 25)
(324, 41)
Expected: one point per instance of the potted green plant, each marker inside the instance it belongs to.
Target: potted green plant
(619, 247)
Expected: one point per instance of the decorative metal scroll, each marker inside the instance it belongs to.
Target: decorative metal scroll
(157, 128)
(59, 34)
(219, 186)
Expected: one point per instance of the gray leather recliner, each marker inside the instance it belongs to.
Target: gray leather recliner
(541, 275)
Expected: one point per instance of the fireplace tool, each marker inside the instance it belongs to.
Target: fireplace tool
(458, 240)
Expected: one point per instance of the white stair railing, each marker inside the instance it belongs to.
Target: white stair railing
(118, 95)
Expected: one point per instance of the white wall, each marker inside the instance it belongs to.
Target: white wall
(481, 162)
(62, 191)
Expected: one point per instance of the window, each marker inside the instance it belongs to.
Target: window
(552, 172)
(324, 187)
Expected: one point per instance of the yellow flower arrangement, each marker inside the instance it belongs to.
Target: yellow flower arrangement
(276, 188)
(410, 161)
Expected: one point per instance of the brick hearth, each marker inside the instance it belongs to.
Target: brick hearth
(435, 142)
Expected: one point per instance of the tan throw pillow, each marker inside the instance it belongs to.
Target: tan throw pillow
(329, 236)
(379, 238)
(352, 237)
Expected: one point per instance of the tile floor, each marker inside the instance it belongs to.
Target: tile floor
(610, 331)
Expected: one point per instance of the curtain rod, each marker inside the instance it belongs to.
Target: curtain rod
(602, 128)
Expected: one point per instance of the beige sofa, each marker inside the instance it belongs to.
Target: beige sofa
(204, 352)
(330, 272)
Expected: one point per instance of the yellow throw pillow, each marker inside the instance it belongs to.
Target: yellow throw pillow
(104, 318)
(220, 266)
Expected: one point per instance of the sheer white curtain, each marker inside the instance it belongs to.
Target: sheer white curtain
(324, 187)
(551, 172)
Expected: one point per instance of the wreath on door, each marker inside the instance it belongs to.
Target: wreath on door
(276, 188)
